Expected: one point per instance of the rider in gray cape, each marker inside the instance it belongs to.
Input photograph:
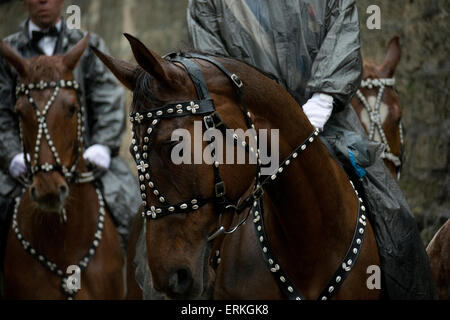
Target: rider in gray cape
(103, 99)
(313, 49)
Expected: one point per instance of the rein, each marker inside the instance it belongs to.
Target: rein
(375, 117)
(205, 107)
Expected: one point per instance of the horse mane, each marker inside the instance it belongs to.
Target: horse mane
(142, 92)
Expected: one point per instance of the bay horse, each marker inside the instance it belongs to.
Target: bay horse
(378, 107)
(438, 251)
(314, 221)
(62, 243)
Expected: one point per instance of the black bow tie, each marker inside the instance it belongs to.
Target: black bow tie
(38, 35)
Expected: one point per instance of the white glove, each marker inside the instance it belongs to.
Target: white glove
(318, 109)
(17, 166)
(98, 155)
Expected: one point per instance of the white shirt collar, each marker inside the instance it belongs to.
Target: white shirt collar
(33, 27)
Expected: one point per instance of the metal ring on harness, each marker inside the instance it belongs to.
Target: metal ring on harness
(221, 229)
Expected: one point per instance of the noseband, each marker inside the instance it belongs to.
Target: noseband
(70, 174)
(375, 118)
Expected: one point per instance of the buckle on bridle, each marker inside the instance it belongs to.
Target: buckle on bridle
(236, 80)
(209, 122)
(213, 120)
(220, 190)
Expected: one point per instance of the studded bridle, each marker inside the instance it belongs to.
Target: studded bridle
(70, 174)
(375, 118)
(205, 106)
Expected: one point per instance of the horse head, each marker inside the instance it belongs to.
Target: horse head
(50, 120)
(179, 200)
(378, 106)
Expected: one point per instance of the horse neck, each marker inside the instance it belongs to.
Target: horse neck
(311, 202)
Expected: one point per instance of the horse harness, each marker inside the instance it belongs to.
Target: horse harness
(205, 106)
(375, 118)
(68, 287)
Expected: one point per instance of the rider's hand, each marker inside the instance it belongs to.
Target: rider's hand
(17, 166)
(318, 109)
(98, 155)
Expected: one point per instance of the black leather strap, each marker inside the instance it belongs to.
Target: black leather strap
(196, 76)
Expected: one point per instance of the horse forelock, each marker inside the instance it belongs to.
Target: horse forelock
(142, 93)
(46, 68)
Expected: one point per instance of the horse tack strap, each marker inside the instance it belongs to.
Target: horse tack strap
(67, 289)
(285, 284)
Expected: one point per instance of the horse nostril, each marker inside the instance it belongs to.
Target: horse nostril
(63, 191)
(180, 281)
(33, 194)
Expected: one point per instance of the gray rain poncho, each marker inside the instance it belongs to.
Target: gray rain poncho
(313, 46)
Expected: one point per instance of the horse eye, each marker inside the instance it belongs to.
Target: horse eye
(72, 109)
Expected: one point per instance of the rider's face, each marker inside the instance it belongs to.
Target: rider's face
(44, 13)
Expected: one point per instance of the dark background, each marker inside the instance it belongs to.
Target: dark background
(422, 76)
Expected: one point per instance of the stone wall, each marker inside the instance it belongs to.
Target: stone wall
(423, 75)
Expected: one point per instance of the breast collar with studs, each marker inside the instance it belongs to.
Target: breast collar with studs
(211, 119)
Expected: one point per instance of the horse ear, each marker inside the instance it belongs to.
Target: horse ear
(14, 58)
(393, 56)
(71, 58)
(123, 70)
(149, 60)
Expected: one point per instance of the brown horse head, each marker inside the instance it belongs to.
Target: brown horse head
(51, 136)
(378, 106)
(178, 246)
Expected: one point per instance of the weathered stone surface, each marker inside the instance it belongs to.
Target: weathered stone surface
(422, 76)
